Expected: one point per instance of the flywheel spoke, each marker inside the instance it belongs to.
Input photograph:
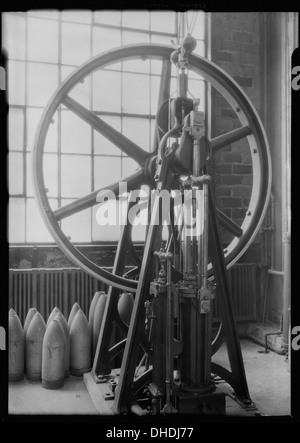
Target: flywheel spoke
(229, 224)
(230, 137)
(118, 139)
(134, 180)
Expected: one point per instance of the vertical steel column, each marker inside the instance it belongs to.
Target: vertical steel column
(207, 316)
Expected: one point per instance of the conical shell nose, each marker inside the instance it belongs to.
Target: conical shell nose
(80, 339)
(53, 371)
(73, 312)
(12, 312)
(59, 316)
(30, 314)
(15, 347)
(53, 314)
(34, 347)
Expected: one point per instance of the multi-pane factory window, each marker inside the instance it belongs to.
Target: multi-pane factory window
(43, 48)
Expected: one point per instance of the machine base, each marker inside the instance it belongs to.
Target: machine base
(210, 403)
(221, 401)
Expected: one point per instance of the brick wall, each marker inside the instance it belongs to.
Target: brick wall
(235, 47)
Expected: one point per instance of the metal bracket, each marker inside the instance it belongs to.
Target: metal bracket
(196, 127)
(205, 295)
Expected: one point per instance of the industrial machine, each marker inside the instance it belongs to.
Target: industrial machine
(166, 357)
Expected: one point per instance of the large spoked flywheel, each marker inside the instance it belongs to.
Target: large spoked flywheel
(250, 128)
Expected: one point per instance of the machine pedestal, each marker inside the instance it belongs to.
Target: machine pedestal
(210, 403)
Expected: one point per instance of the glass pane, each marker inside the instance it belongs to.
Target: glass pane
(29, 178)
(77, 227)
(199, 28)
(173, 87)
(200, 50)
(16, 128)
(101, 144)
(129, 166)
(50, 175)
(15, 174)
(136, 19)
(42, 40)
(196, 88)
(13, 35)
(135, 93)
(16, 83)
(152, 129)
(138, 65)
(137, 130)
(108, 17)
(44, 13)
(110, 231)
(81, 92)
(75, 175)
(163, 39)
(36, 230)
(155, 82)
(33, 119)
(156, 66)
(105, 39)
(107, 91)
(41, 83)
(163, 21)
(107, 170)
(75, 134)
(75, 43)
(80, 16)
(16, 220)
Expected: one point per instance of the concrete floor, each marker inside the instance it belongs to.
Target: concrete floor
(268, 377)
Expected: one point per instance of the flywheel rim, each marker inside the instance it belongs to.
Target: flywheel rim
(233, 94)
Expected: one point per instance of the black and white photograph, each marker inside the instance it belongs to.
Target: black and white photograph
(148, 217)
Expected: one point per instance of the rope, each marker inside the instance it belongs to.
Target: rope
(193, 22)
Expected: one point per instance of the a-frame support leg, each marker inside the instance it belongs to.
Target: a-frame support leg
(237, 377)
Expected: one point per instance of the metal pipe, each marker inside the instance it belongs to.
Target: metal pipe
(205, 238)
(272, 333)
(169, 334)
(272, 229)
(286, 286)
(273, 272)
(182, 84)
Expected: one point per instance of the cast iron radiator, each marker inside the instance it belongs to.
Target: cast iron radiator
(44, 289)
